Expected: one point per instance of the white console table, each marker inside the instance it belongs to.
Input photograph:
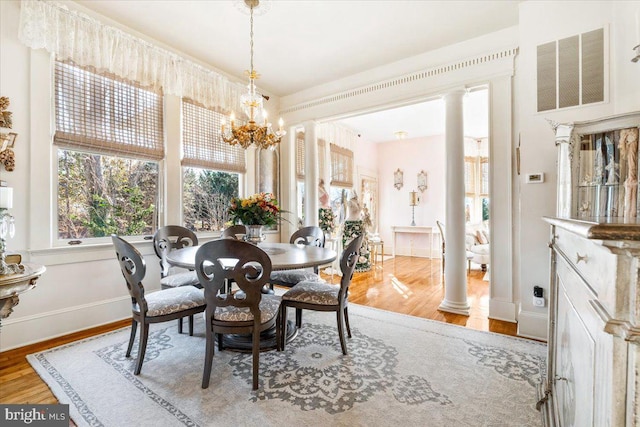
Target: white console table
(415, 229)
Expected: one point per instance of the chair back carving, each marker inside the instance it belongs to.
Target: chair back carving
(133, 269)
(310, 236)
(233, 231)
(215, 265)
(348, 262)
(169, 238)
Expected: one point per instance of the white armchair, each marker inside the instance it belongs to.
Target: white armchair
(477, 242)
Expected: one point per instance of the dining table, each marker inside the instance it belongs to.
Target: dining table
(283, 256)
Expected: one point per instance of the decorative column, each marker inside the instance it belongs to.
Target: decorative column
(455, 270)
(310, 173)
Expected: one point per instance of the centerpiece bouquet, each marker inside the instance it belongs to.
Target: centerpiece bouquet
(258, 209)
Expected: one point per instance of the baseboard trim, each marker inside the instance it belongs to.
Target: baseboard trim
(532, 325)
(28, 330)
(502, 310)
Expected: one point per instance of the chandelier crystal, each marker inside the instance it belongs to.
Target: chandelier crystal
(257, 130)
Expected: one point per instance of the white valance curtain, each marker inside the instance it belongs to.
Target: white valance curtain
(337, 134)
(75, 36)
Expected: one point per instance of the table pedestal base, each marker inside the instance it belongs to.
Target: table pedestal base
(244, 342)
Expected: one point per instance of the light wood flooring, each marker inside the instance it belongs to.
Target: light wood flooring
(406, 285)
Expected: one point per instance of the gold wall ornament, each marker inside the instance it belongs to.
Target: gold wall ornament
(5, 115)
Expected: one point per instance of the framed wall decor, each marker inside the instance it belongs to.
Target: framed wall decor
(422, 181)
(397, 179)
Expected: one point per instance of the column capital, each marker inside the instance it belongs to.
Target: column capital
(455, 93)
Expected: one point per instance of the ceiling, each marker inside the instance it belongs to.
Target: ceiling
(304, 43)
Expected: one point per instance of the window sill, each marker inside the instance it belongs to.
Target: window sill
(82, 253)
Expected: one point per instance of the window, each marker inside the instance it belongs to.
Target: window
(212, 169)
(341, 166)
(476, 178)
(109, 140)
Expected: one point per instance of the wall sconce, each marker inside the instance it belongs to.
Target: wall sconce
(397, 179)
(422, 181)
(637, 51)
(413, 202)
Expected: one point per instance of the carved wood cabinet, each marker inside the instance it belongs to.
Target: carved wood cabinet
(593, 376)
(593, 372)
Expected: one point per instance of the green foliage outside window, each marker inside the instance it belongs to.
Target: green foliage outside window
(206, 196)
(102, 195)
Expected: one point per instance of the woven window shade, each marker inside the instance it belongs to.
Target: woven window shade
(104, 114)
(470, 176)
(300, 155)
(202, 141)
(484, 176)
(321, 147)
(341, 166)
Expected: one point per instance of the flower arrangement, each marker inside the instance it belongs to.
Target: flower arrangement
(327, 220)
(258, 209)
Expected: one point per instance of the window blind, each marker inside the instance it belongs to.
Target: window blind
(202, 142)
(341, 166)
(470, 176)
(300, 155)
(484, 176)
(321, 147)
(104, 114)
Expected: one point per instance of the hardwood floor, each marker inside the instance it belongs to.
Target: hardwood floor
(406, 285)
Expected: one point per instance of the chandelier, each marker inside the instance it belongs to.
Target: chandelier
(257, 130)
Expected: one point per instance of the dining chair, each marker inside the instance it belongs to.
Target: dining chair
(323, 296)
(165, 240)
(233, 231)
(310, 236)
(247, 311)
(154, 307)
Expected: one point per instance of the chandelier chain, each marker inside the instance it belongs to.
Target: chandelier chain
(251, 41)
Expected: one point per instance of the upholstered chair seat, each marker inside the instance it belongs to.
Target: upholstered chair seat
(293, 276)
(172, 300)
(269, 307)
(314, 292)
(188, 278)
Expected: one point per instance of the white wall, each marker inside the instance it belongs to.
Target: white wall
(542, 22)
(411, 156)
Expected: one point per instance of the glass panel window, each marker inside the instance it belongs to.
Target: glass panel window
(206, 197)
(109, 142)
(100, 195)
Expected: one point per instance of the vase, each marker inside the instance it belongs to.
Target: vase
(254, 234)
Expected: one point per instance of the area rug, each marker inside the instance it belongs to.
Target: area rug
(401, 370)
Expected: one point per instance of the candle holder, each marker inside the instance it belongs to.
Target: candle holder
(7, 228)
(413, 202)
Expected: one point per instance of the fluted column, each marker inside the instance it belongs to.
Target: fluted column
(310, 173)
(455, 271)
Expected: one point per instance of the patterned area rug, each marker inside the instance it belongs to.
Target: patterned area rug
(400, 370)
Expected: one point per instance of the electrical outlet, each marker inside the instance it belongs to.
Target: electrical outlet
(538, 301)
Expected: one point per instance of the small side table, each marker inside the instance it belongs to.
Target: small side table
(377, 248)
(13, 284)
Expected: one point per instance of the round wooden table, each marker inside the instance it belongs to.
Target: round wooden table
(284, 256)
